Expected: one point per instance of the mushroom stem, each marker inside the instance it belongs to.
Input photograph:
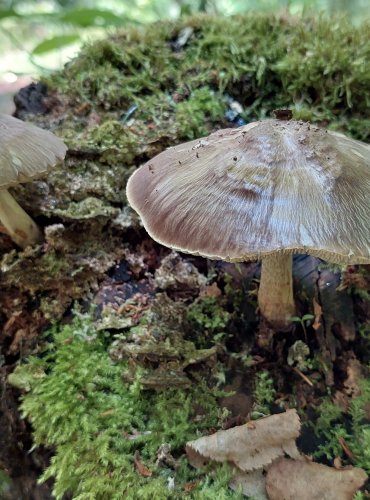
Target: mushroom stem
(18, 224)
(275, 295)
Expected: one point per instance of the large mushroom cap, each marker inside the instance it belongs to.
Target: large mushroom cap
(270, 186)
(26, 151)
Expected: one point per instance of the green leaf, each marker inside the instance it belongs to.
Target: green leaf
(54, 43)
(307, 317)
(91, 17)
(295, 319)
(7, 13)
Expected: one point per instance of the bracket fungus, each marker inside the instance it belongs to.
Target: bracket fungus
(261, 192)
(26, 152)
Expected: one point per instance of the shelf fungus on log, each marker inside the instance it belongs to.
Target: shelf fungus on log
(264, 191)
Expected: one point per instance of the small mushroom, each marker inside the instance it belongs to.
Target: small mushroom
(26, 152)
(263, 191)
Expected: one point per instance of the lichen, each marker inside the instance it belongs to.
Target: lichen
(156, 350)
(88, 208)
(175, 273)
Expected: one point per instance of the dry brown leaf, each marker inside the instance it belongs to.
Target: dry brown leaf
(210, 291)
(252, 484)
(164, 457)
(341, 400)
(291, 480)
(140, 467)
(188, 487)
(317, 309)
(354, 375)
(249, 448)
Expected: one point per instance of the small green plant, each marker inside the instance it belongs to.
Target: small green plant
(207, 321)
(264, 394)
(359, 495)
(5, 484)
(244, 357)
(332, 427)
(304, 321)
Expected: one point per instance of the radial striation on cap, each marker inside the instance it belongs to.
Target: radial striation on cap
(270, 186)
(26, 151)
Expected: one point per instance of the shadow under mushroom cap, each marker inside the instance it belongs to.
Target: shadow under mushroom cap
(270, 186)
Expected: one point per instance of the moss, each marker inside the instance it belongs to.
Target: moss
(156, 351)
(315, 66)
(79, 405)
(50, 267)
(208, 320)
(331, 426)
(197, 114)
(88, 208)
(264, 394)
(117, 142)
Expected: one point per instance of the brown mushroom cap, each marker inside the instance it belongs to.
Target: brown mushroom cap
(26, 151)
(270, 186)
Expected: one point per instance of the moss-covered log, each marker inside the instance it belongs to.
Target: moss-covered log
(121, 101)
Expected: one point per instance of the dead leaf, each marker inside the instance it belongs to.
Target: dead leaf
(317, 309)
(291, 480)
(210, 291)
(188, 487)
(354, 375)
(249, 448)
(164, 457)
(252, 484)
(140, 467)
(342, 400)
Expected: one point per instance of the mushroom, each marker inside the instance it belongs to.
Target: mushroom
(264, 191)
(26, 152)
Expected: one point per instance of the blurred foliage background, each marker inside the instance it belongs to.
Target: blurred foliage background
(37, 36)
(40, 35)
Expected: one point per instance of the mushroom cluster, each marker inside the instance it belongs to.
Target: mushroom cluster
(261, 192)
(26, 152)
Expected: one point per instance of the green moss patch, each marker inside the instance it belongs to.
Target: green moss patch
(316, 67)
(78, 404)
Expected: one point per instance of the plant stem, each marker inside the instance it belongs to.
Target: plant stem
(275, 295)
